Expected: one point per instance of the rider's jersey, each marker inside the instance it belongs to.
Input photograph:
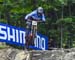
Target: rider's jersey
(36, 16)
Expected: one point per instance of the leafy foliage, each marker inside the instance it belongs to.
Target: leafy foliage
(13, 12)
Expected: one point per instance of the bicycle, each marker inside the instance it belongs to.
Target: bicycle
(33, 33)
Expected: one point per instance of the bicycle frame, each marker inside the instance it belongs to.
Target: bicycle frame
(34, 28)
(33, 33)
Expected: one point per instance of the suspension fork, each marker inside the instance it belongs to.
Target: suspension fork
(34, 31)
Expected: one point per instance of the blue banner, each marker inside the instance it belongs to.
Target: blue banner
(16, 35)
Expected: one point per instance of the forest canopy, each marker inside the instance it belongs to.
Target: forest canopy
(60, 17)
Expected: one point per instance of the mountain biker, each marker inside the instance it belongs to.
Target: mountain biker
(37, 15)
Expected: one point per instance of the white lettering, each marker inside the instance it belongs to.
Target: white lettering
(42, 43)
(17, 36)
(37, 41)
(22, 36)
(11, 34)
(3, 33)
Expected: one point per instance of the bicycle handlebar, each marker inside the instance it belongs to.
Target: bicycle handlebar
(35, 20)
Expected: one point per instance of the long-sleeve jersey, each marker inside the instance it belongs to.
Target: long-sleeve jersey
(35, 15)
